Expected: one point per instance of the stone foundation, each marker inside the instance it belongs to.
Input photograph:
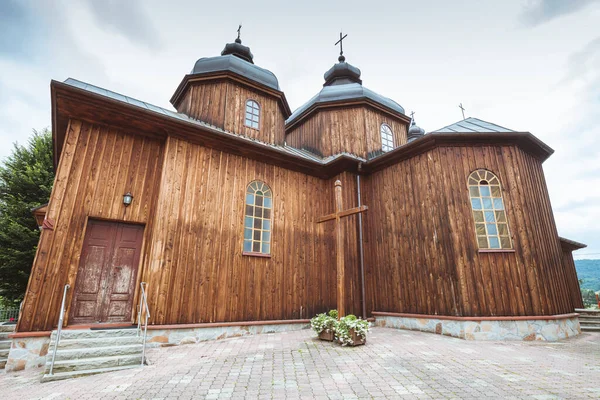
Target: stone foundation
(27, 352)
(175, 335)
(551, 329)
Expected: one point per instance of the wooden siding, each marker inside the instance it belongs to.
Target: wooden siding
(350, 129)
(196, 271)
(223, 104)
(572, 280)
(422, 256)
(98, 165)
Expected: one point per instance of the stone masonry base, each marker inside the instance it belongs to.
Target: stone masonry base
(552, 329)
(27, 352)
(179, 335)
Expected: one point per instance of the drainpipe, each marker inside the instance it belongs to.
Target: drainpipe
(360, 249)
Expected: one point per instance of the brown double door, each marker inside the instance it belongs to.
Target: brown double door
(107, 273)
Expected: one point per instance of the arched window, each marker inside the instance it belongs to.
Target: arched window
(252, 114)
(257, 220)
(491, 224)
(387, 138)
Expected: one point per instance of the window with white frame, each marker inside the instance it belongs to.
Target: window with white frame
(252, 114)
(387, 138)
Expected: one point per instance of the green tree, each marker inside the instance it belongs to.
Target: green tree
(26, 178)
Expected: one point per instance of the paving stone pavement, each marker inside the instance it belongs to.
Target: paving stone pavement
(295, 365)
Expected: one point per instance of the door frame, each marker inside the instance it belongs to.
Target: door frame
(136, 292)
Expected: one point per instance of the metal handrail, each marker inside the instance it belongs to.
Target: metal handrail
(143, 308)
(60, 324)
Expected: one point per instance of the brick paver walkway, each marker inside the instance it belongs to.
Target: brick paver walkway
(393, 364)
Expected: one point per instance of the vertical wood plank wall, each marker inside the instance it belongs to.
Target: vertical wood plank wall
(422, 256)
(351, 129)
(98, 165)
(572, 280)
(196, 270)
(420, 249)
(223, 105)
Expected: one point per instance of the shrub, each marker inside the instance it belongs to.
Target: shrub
(345, 324)
(324, 322)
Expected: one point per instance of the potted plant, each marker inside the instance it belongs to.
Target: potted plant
(325, 325)
(351, 331)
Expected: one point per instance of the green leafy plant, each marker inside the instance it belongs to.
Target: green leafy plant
(348, 323)
(324, 322)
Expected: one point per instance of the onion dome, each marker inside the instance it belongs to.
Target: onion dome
(239, 50)
(236, 58)
(415, 132)
(342, 83)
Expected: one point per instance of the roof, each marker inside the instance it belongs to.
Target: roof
(183, 117)
(350, 91)
(571, 245)
(236, 65)
(472, 125)
(79, 100)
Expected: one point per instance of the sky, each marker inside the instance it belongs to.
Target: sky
(528, 65)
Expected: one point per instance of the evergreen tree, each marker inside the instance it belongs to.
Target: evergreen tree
(26, 178)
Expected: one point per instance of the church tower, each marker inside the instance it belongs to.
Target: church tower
(232, 93)
(346, 117)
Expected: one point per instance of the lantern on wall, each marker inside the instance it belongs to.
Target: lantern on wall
(127, 198)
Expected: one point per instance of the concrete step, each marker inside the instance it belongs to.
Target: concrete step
(86, 364)
(101, 342)
(5, 344)
(4, 353)
(587, 311)
(7, 328)
(590, 328)
(97, 352)
(589, 318)
(589, 322)
(93, 334)
(4, 335)
(57, 376)
(3, 363)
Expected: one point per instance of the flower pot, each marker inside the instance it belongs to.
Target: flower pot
(356, 339)
(326, 335)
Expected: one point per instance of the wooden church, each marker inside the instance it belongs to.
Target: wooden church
(234, 209)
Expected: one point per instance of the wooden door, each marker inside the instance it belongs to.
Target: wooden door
(107, 273)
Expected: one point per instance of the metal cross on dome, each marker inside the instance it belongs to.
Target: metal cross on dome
(340, 42)
(238, 31)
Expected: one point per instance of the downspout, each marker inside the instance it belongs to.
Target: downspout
(360, 248)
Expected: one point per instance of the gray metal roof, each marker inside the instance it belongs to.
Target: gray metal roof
(292, 151)
(472, 125)
(235, 64)
(348, 91)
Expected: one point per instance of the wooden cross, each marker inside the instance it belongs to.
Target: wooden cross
(462, 109)
(339, 242)
(341, 43)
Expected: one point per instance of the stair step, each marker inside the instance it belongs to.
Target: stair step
(93, 334)
(94, 363)
(7, 328)
(589, 318)
(74, 374)
(94, 342)
(3, 363)
(97, 352)
(4, 335)
(5, 344)
(590, 328)
(589, 311)
(4, 353)
(589, 322)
